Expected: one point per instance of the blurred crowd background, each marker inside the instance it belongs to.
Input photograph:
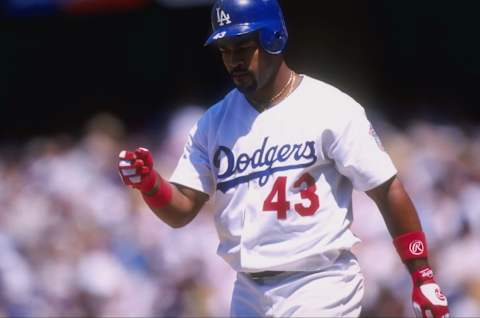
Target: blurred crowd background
(76, 242)
(81, 80)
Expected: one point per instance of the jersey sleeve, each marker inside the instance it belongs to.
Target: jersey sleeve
(359, 154)
(193, 169)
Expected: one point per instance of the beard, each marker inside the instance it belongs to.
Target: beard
(246, 84)
(245, 89)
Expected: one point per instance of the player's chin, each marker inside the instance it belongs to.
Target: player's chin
(245, 86)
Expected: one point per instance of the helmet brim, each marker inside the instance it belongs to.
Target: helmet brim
(233, 30)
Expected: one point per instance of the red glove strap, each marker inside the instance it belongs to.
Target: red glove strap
(148, 182)
(422, 276)
(411, 245)
(161, 197)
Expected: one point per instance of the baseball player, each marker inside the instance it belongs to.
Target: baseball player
(279, 157)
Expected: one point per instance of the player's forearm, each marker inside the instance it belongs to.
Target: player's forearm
(179, 211)
(175, 205)
(399, 214)
(396, 207)
(409, 240)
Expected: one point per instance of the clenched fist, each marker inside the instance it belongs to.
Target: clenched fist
(428, 300)
(136, 169)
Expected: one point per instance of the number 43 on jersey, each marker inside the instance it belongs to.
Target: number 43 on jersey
(277, 198)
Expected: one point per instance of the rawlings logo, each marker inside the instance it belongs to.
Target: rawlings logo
(433, 294)
(223, 17)
(416, 247)
(426, 273)
(439, 294)
(269, 159)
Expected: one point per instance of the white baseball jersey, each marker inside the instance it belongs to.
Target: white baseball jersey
(282, 180)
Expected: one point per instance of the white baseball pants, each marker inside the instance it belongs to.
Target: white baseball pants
(336, 291)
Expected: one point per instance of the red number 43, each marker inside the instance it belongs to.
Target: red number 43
(277, 198)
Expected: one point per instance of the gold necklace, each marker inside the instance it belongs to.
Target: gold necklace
(270, 102)
(282, 90)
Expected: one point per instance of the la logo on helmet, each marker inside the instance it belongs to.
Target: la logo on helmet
(223, 17)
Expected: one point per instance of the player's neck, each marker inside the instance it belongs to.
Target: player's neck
(281, 85)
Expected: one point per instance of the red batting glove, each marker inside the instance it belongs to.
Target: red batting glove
(428, 300)
(136, 169)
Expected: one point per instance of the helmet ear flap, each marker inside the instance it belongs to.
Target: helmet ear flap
(272, 41)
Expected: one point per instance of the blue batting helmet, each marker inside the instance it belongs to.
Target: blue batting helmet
(239, 17)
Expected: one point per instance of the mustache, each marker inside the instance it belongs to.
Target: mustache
(239, 71)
